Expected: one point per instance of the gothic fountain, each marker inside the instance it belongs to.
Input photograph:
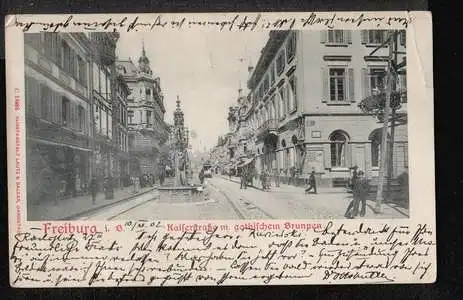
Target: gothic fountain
(180, 189)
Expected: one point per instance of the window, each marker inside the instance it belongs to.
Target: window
(291, 47)
(272, 74)
(375, 139)
(261, 92)
(110, 124)
(102, 90)
(337, 85)
(266, 83)
(97, 118)
(281, 105)
(130, 116)
(96, 77)
(292, 95)
(65, 111)
(51, 48)
(403, 37)
(81, 71)
(104, 121)
(338, 146)
(374, 36)
(377, 81)
(66, 59)
(272, 108)
(81, 113)
(45, 100)
(148, 92)
(148, 117)
(280, 63)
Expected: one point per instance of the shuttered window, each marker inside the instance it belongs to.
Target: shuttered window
(338, 84)
(374, 37)
(336, 37)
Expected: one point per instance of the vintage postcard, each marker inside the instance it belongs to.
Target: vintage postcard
(220, 149)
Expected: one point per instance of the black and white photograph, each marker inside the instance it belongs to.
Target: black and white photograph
(170, 125)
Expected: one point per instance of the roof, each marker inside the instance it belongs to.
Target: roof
(126, 67)
(274, 42)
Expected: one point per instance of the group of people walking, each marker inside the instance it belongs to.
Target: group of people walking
(358, 184)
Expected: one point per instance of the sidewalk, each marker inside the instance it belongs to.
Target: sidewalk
(73, 207)
(286, 188)
(330, 202)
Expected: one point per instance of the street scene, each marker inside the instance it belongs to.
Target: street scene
(270, 125)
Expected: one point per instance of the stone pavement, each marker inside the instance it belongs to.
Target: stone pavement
(72, 207)
(290, 201)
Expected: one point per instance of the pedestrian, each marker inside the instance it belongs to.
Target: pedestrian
(201, 176)
(94, 188)
(292, 172)
(312, 184)
(276, 177)
(360, 188)
(244, 178)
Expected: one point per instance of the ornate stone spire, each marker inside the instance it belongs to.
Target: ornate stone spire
(178, 114)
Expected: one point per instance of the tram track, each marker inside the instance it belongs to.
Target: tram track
(251, 206)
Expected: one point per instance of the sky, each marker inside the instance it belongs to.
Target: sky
(203, 68)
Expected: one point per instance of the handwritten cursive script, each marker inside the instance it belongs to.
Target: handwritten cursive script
(231, 22)
(145, 253)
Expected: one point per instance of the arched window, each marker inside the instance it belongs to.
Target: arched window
(375, 139)
(338, 147)
(272, 109)
(282, 106)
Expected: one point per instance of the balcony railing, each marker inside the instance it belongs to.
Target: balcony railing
(267, 127)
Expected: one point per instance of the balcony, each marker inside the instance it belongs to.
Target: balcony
(268, 127)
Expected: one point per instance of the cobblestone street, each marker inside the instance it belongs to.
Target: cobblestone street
(227, 201)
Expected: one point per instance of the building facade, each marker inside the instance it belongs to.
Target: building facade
(105, 106)
(62, 101)
(305, 92)
(145, 115)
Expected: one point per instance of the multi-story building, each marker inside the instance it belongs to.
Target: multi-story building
(121, 130)
(305, 93)
(63, 81)
(105, 105)
(145, 114)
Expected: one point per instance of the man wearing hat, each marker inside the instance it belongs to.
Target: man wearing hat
(312, 183)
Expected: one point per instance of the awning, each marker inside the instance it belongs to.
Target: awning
(49, 143)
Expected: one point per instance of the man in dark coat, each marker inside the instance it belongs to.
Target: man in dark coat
(201, 176)
(312, 183)
(94, 188)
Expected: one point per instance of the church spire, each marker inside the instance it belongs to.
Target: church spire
(143, 52)
(143, 61)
